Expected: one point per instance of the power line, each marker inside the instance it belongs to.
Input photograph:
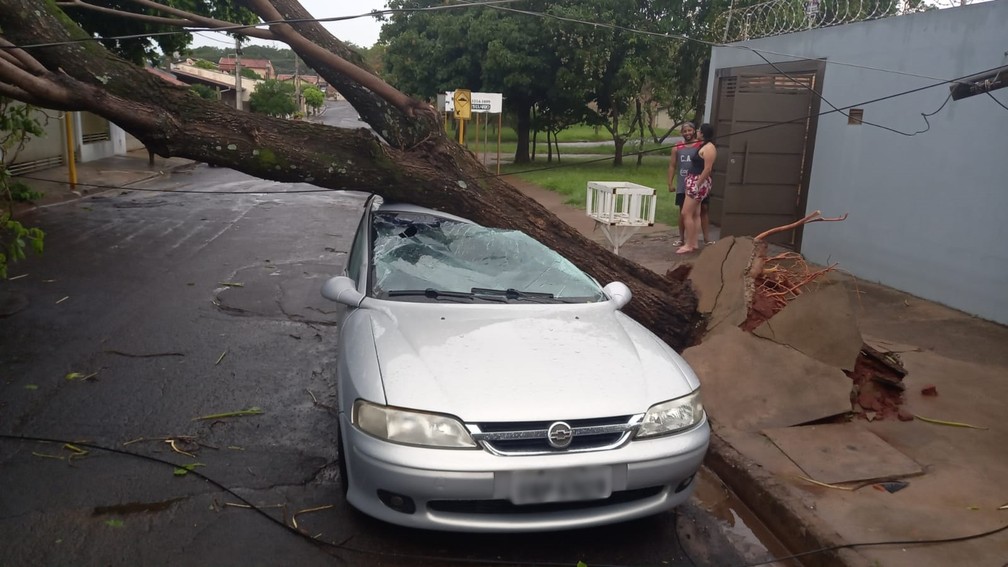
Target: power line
(236, 28)
(342, 545)
(487, 3)
(999, 103)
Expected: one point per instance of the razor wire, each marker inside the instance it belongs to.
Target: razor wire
(776, 17)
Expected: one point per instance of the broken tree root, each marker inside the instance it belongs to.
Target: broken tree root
(770, 283)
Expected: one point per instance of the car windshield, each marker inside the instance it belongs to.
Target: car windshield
(421, 257)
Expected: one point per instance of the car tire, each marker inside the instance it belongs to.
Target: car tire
(344, 478)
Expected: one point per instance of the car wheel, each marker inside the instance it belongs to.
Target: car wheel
(344, 479)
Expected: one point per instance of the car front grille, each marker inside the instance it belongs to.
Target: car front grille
(506, 507)
(531, 437)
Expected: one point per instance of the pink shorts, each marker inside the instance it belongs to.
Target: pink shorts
(694, 191)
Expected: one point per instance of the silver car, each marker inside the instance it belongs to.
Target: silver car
(487, 384)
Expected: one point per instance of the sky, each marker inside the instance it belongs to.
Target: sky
(360, 31)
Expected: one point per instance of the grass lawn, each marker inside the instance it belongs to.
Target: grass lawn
(571, 178)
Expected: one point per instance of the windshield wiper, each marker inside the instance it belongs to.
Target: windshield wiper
(512, 293)
(430, 293)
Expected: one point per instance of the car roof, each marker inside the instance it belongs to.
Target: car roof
(410, 208)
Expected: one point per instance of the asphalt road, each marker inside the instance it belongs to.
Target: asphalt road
(151, 311)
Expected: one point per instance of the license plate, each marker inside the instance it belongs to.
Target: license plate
(561, 485)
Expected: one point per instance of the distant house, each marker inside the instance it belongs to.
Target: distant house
(263, 67)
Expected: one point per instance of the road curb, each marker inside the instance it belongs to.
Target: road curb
(780, 512)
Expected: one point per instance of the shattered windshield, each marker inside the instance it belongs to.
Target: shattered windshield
(420, 257)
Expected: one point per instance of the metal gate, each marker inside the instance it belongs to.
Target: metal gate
(765, 125)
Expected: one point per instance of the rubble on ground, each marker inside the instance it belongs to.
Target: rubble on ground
(810, 310)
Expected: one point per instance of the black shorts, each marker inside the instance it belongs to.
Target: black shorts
(680, 199)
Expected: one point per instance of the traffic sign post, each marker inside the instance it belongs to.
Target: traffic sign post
(463, 110)
(474, 103)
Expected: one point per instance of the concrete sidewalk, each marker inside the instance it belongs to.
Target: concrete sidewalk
(964, 471)
(964, 476)
(97, 176)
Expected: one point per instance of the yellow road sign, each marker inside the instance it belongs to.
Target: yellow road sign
(463, 104)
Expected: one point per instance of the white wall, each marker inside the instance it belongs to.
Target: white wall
(927, 212)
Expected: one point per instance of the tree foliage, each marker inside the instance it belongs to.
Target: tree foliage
(553, 63)
(18, 124)
(273, 98)
(314, 97)
(149, 39)
(205, 91)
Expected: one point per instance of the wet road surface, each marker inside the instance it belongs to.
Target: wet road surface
(184, 331)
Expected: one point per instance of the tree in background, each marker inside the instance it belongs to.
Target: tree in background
(427, 53)
(552, 64)
(204, 64)
(273, 98)
(153, 35)
(314, 98)
(250, 74)
(205, 91)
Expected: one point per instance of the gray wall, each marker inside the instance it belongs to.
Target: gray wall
(928, 213)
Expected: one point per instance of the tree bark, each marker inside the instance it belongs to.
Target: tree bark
(523, 110)
(425, 167)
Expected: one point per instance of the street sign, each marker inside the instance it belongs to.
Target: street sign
(485, 103)
(463, 108)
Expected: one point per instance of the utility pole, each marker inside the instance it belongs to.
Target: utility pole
(297, 85)
(238, 85)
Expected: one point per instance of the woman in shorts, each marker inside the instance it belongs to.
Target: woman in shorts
(698, 186)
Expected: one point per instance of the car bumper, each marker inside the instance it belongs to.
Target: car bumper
(472, 490)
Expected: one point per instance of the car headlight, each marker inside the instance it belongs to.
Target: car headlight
(410, 427)
(671, 416)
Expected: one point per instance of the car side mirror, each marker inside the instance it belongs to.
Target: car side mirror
(342, 289)
(619, 293)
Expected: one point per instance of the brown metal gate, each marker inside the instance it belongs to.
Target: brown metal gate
(765, 130)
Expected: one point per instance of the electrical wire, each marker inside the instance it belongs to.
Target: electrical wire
(342, 545)
(187, 191)
(212, 38)
(999, 103)
(539, 169)
(489, 4)
(236, 28)
(834, 107)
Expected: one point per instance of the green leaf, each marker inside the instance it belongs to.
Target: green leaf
(240, 413)
(115, 523)
(185, 469)
(31, 387)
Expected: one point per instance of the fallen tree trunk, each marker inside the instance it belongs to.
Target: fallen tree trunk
(435, 172)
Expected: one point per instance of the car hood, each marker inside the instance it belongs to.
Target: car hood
(523, 362)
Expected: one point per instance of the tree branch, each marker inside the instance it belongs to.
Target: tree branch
(36, 87)
(204, 21)
(291, 37)
(122, 13)
(10, 91)
(20, 57)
